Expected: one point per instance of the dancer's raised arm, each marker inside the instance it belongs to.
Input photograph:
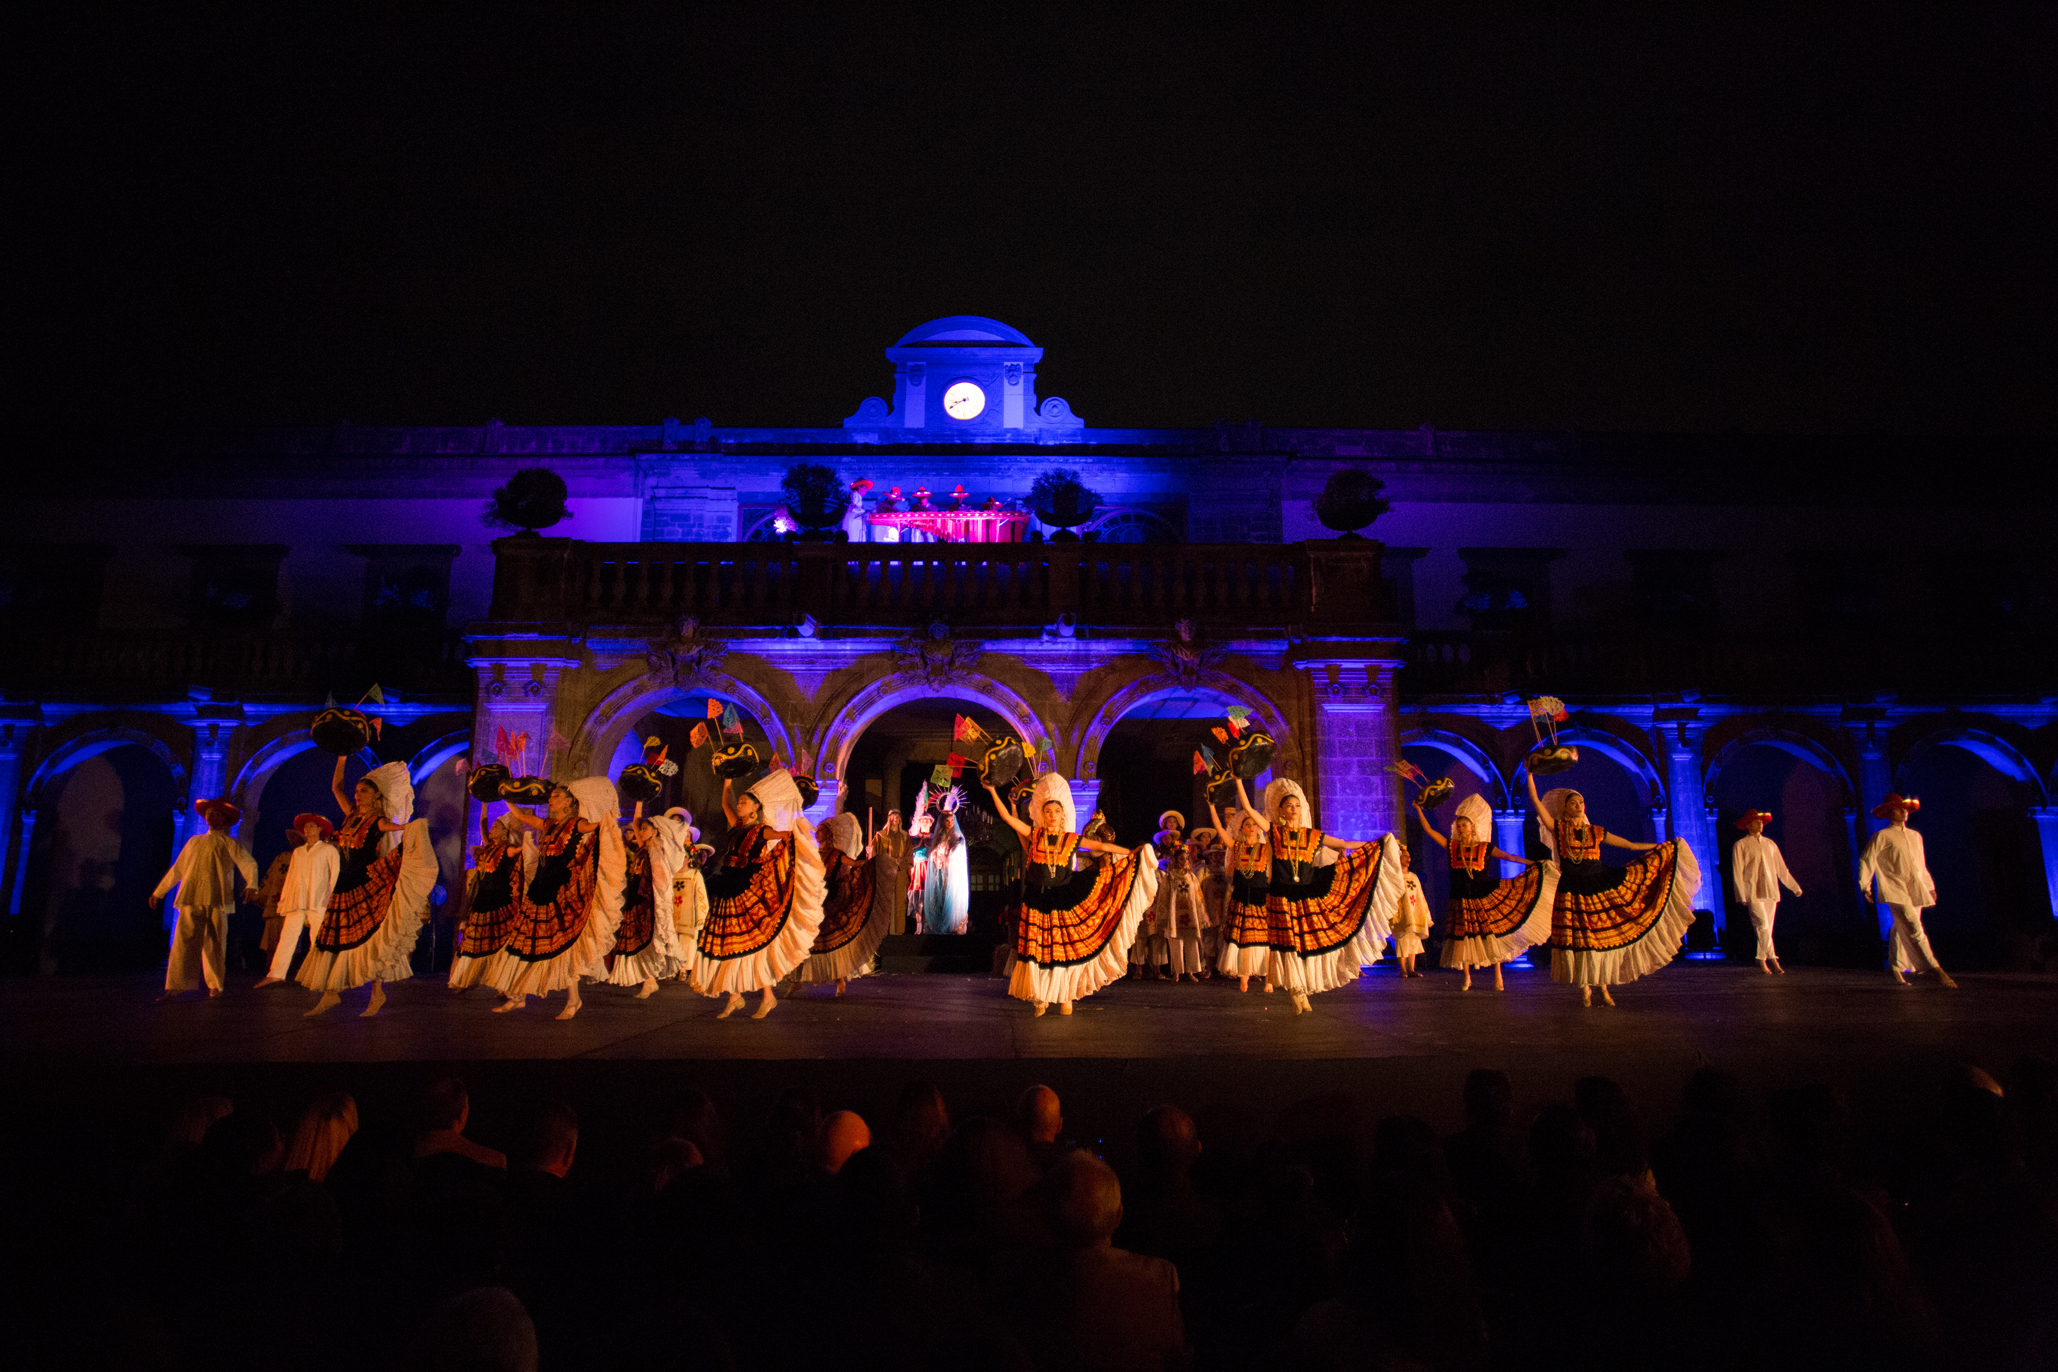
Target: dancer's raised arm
(1008, 815)
(1423, 818)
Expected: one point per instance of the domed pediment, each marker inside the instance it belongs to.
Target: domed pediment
(968, 376)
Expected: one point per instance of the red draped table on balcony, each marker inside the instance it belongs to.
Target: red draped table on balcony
(958, 526)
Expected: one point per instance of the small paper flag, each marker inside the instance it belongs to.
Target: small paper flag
(941, 774)
(1200, 766)
(699, 734)
(1406, 769)
(714, 708)
(1208, 755)
(955, 763)
(375, 695)
(730, 723)
(1239, 714)
(967, 729)
(1221, 735)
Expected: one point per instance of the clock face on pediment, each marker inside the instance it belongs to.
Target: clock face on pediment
(964, 400)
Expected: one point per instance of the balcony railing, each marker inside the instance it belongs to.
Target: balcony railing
(903, 585)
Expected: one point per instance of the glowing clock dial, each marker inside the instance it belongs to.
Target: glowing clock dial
(964, 400)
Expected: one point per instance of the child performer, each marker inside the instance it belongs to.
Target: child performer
(1611, 925)
(501, 865)
(304, 894)
(1490, 919)
(1181, 914)
(647, 940)
(1204, 851)
(1758, 871)
(1894, 859)
(1337, 914)
(210, 871)
(764, 897)
(1411, 918)
(1073, 932)
(1248, 933)
(856, 908)
(268, 894)
(385, 871)
(689, 889)
(567, 912)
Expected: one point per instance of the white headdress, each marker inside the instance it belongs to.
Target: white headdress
(396, 788)
(684, 818)
(671, 838)
(1475, 808)
(845, 834)
(776, 791)
(1052, 786)
(1553, 806)
(599, 803)
(1280, 788)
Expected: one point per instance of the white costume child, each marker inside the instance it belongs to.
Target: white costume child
(1757, 871)
(310, 876)
(206, 874)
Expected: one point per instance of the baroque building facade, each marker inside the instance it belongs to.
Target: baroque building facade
(1786, 624)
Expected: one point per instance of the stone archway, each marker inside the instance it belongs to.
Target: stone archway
(1470, 755)
(1287, 758)
(603, 731)
(857, 712)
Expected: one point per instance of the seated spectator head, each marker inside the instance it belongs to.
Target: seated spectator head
(692, 1116)
(675, 1158)
(843, 1133)
(1561, 1148)
(1618, 1138)
(325, 1126)
(1039, 1115)
(875, 1204)
(921, 1126)
(1489, 1101)
(1084, 1200)
(1632, 1241)
(191, 1121)
(1167, 1144)
(481, 1330)
(550, 1139)
(1407, 1147)
(443, 1105)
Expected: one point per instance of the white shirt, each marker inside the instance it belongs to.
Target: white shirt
(1895, 857)
(206, 872)
(1413, 916)
(1757, 869)
(310, 876)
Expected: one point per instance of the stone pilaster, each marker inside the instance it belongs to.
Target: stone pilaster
(517, 694)
(1679, 736)
(14, 735)
(1357, 741)
(1508, 834)
(2046, 818)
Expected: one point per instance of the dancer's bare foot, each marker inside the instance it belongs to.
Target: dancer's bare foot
(1944, 980)
(1466, 985)
(1243, 984)
(1764, 967)
(169, 995)
(214, 991)
(572, 1003)
(1777, 968)
(1064, 1007)
(510, 1005)
(1498, 984)
(649, 989)
(269, 981)
(842, 985)
(1586, 997)
(764, 1007)
(329, 1001)
(378, 1000)
(1269, 988)
(735, 1003)
(1899, 980)
(1041, 1007)
(1607, 999)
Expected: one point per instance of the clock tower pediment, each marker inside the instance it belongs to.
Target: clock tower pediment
(964, 376)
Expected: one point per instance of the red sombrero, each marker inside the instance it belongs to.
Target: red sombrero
(225, 812)
(1908, 803)
(1743, 821)
(328, 829)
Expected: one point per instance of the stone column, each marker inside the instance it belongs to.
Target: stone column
(14, 736)
(212, 729)
(1508, 834)
(1085, 799)
(1875, 781)
(1687, 817)
(517, 692)
(1357, 738)
(2046, 817)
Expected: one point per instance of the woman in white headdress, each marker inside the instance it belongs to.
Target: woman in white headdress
(500, 864)
(1073, 931)
(1611, 925)
(647, 941)
(385, 872)
(1337, 912)
(765, 894)
(1490, 919)
(689, 890)
(856, 909)
(567, 912)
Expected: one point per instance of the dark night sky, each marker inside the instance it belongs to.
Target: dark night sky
(1645, 218)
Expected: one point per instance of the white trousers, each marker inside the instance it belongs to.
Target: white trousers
(1185, 952)
(1762, 912)
(289, 939)
(199, 948)
(1910, 942)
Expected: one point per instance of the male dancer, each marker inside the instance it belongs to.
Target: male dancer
(1757, 871)
(1895, 860)
(211, 868)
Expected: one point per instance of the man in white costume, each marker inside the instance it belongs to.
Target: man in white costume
(1757, 871)
(310, 876)
(209, 873)
(1894, 860)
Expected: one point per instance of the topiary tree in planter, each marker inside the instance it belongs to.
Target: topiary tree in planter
(1350, 501)
(1063, 501)
(532, 499)
(816, 497)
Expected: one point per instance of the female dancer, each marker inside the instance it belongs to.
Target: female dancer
(567, 913)
(855, 910)
(1489, 920)
(501, 862)
(1610, 925)
(1073, 932)
(1248, 934)
(382, 890)
(1336, 916)
(764, 895)
(647, 941)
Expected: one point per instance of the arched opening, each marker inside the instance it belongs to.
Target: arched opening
(105, 824)
(1145, 761)
(886, 767)
(1471, 774)
(1993, 904)
(695, 785)
(1824, 925)
(1619, 796)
